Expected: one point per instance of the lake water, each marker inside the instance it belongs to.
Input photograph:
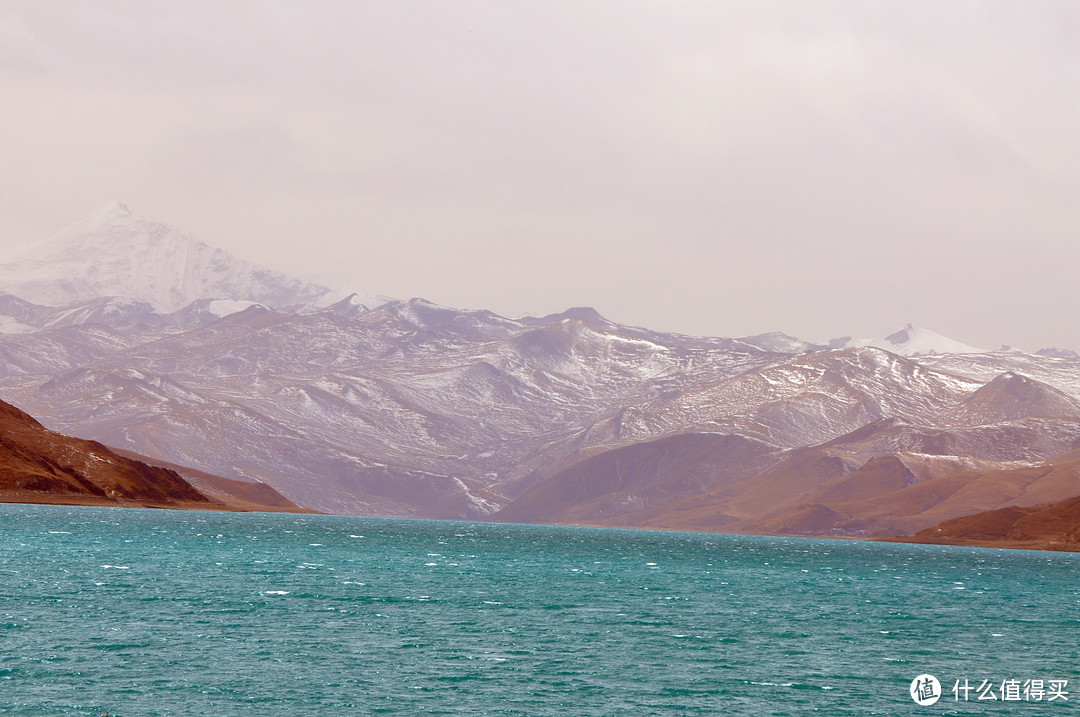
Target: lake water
(148, 612)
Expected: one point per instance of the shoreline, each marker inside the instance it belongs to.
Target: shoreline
(216, 504)
(1048, 545)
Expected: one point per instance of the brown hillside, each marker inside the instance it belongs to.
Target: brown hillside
(1054, 526)
(42, 466)
(812, 492)
(625, 480)
(236, 494)
(39, 465)
(881, 505)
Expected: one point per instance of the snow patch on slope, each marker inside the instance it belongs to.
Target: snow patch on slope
(8, 325)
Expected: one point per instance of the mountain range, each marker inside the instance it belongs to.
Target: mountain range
(128, 332)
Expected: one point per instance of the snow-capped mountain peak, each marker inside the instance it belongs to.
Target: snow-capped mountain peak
(116, 252)
(911, 341)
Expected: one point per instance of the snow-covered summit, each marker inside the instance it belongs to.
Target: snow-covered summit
(911, 341)
(116, 252)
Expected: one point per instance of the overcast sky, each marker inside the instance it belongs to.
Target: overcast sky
(716, 168)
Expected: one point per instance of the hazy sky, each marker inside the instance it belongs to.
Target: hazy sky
(720, 168)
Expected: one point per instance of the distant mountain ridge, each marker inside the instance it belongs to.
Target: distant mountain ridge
(910, 341)
(409, 408)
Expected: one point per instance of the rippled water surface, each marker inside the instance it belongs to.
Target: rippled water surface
(145, 612)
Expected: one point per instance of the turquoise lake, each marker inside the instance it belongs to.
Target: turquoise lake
(150, 612)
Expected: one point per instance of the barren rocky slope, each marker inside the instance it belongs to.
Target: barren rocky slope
(1053, 525)
(41, 466)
